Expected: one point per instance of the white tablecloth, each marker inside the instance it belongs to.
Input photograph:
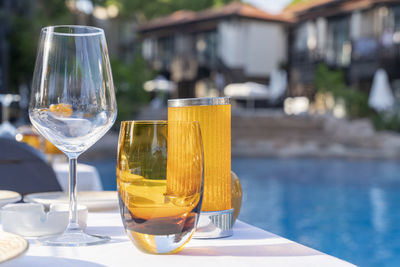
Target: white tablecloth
(249, 246)
(88, 178)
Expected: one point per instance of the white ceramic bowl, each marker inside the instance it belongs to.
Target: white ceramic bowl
(31, 220)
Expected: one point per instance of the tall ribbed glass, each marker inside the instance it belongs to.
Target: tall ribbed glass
(214, 115)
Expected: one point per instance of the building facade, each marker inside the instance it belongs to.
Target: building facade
(232, 44)
(358, 36)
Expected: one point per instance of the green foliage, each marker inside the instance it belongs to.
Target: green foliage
(386, 121)
(333, 81)
(356, 102)
(295, 2)
(24, 35)
(327, 80)
(128, 81)
(155, 8)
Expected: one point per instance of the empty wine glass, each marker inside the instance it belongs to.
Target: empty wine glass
(6, 128)
(72, 104)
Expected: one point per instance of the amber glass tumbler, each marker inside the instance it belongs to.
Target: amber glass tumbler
(160, 182)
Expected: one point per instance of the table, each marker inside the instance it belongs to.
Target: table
(249, 246)
(88, 178)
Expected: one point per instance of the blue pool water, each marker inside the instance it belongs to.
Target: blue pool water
(346, 208)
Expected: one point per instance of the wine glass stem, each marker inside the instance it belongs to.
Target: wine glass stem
(73, 211)
(5, 111)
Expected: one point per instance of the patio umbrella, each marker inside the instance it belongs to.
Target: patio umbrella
(249, 90)
(381, 97)
(277, 85)
(160, 83)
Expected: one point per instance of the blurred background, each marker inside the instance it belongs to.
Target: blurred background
(315, 89)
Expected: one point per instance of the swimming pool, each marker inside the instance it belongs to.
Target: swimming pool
(346, 208)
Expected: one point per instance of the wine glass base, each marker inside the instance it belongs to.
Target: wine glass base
(74, 239)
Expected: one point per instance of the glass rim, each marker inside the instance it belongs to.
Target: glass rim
(51, 30)
(202, 101)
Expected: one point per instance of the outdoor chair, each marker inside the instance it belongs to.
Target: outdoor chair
(24, 169)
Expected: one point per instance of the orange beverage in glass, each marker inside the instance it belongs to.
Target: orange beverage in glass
(214, 115)
(32, 140)
(159, 199)
(31, 137)
(26, 135)
(51, 149)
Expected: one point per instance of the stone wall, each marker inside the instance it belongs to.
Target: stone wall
(279, 135)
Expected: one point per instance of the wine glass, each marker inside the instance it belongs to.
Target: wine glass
(72, 104)
(6, 128)
(160, 183)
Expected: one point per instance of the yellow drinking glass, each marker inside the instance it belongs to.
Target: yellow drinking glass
(160, 183)
(237, 195)
(214, 116)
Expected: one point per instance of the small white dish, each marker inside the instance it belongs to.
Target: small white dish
(31, 220)
(7, 196)
(93, 200)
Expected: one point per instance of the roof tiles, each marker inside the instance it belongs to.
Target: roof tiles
(233, 9)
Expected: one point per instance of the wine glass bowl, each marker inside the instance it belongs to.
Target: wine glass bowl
(160, 183)
(73, 100)
(72, 103)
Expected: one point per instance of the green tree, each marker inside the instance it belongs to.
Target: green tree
(356, 101)
(333, 81)
(128, 80)
(24, 33)
(295, 2)
(149, 9)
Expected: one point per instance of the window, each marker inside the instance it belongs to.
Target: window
(165, 49)
(300, 38)
(339, 46)
(206, 47)
(396, 17)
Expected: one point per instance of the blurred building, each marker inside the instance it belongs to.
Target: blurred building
(232, 44)
(358, 36)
